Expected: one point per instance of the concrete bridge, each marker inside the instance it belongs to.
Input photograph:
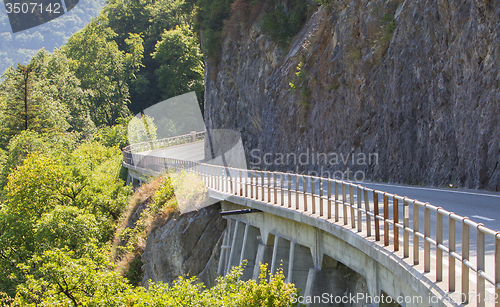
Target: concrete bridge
(340, 242)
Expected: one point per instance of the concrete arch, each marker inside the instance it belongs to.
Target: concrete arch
(311, 248)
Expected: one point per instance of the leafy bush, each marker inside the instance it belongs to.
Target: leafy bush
(210, 20)
(281, 26)
(163, 194)
(59, 278)
(141, 129)
(116, 135)
(300, 82)
(59, 199)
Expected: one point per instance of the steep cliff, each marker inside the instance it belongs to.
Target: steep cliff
(415, 82)
(186, 245)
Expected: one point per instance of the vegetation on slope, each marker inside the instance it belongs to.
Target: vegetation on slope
(65, 211)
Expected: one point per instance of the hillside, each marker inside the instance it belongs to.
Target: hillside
(414, 83)
(20, 47)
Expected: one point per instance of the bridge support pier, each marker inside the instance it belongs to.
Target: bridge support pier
(325, 262)
(301, 262)
(249, 250)
(236, 246)
(281, 255)
(264, 255)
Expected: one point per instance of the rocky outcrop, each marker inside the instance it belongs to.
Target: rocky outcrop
(416, 82)
(186, 245)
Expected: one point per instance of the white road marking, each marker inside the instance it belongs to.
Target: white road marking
(483, 218)
(437, 190)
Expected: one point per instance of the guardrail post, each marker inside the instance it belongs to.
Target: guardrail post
(451, 259)
(406, 234)
(336, 201)
(268, 187)
(386, 218)
(250, 176)
(241, 182)
(497, 269)
(465, 257)
(289, 190)
(344, 205)
(219, 172)
(351, 204)
(282, 191)
(376, 212)
(416, 239)
(368, 217)
(480, 252)
(320, 192)
(256, 185)
(212, 173)
(235, 182)
(304, 190)
(263, 187)
(223, 179)
(275, 200)
(229, 178)
(329, 202)
(427, 234)
(247, 183)
(439, 241)
(193, 136)
(313, 191)
(395, 208)
(296, 192)
(360, 217)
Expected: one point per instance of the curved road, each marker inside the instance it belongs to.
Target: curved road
(479, 206)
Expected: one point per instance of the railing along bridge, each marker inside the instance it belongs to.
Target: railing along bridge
(392, 221)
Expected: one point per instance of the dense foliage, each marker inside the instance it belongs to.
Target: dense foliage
(64, 280)
(65, 114)
(282, 24)
(61, 208)
(62, 195)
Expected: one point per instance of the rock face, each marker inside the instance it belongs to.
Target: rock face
(187, 244)
(415, 83)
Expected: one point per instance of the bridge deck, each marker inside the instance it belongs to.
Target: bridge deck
(391, 222)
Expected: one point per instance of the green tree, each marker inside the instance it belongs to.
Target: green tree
(103, 69)
(28, 142)
(151, 19)
(68, 226)
(24, 106)
(61, 84)
(50, 196)
(60, 278)
(180, 62)
(141, 128)
(43, 96)
(116, 135)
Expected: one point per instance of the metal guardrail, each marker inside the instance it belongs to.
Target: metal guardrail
(158, 144)
(363, 209)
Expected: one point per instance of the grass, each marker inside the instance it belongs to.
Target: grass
(151, 206)
(387, 31)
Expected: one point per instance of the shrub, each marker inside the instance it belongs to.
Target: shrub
(281, 26)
